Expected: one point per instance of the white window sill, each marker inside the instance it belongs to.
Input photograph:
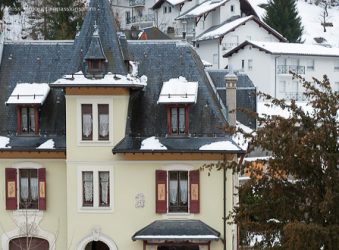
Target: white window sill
(99, 210)
(95, 143)
(178, 215)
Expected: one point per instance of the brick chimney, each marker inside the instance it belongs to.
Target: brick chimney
(231, 96)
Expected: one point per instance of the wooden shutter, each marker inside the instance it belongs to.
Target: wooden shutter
(194, 181)
(11, 188)
(42, 188)
(161, 191)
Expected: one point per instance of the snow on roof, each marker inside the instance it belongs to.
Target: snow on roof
(49, 144)
(175, 2)
(29, 93)
(152, 143)
(135, 69)
(178, 90)
(239, 138)
(267, 108)
(176, 237)
(4, 141)
(296, 48)
(220, 145)
(203, 8)
(206, 64)
(79, 79)
(222, 30)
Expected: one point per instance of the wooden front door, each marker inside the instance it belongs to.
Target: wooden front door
(28, 243)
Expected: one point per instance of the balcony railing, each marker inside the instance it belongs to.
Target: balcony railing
(285, 69)
(136, 3)
(189, 32)
(227, 46)
(141, 19)
(298, 96)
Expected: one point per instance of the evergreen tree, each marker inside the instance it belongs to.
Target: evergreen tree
(56, 20)
(282, 15)
(14, 5)
(293, 201)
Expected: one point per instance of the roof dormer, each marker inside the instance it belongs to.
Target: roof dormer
(95, 59)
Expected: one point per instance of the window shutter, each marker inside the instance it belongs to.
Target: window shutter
(11, 189)
(42, 188)
(161, 191)
(194, 191)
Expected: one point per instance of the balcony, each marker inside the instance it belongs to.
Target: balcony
(285, 69)
(136, 3)
(227, 46)
(140, 19)
(298, 96)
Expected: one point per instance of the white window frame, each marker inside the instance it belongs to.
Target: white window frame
(95, 208)
(310, 65)
(95, 139)
(250, 64)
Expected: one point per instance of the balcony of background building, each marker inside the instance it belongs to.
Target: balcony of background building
(134, 20)
(298, 96)
(136, 3)
(285, 69)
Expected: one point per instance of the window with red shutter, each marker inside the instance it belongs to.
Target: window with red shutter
(11, 188)
(161, 191)
(194, 191)
(177, 120)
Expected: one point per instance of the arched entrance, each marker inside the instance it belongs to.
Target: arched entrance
(31, 243)
(96, 245)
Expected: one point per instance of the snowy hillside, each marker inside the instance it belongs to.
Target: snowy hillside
(311, 19)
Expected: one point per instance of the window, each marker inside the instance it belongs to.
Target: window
(28, 186)
(282, 86)
(28, 191)
(336, 66)
(103, 121)
(27, 120)
(242, 64)
(250, 64)
(95, 120)
(178, 120)
(87, 121)
(177, 191)
(95, 188)
(169, 9)
(232, 8)
(336, 87)
(165, 9)
(215, 59)
(310, 65)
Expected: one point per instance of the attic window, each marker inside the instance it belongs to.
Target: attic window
(95, 66)
(27, 120)
(177, 120)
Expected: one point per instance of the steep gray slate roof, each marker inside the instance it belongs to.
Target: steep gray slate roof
(246, 94)
(95, 50)
(34, 62)
(161, 61)
(99, 13)
(177, 230)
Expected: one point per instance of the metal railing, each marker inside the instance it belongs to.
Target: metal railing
(227, 46)
(140, 19)
(298, 96)
(135, 3)
(285, 69)
(189, 32)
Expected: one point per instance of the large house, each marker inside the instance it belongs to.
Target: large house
(102, 141)
(269, 64)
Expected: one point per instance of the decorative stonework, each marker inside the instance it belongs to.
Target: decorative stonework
(96, 235)
(140, 200)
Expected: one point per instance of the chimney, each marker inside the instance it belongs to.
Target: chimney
(231, 97)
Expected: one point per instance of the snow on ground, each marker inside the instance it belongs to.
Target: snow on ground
(220, 145)
(152, 143)
(49, 144)
(311, 19)
(4, 141)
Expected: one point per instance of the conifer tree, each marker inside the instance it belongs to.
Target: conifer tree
(14, 5)
(293, 201)
(282, 15)
(56, 20)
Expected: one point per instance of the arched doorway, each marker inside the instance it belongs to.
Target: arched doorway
(96, 245)
(31, 243)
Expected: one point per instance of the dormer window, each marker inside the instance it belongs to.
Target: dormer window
(28, 98)
(177, 120)
(178, 94)
(95, 57)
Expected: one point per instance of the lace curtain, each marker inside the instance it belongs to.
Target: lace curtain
(24, 125)
(24, 188)
(34, 189)
(87, 124)
(103, 125)
(31, 120)
(88, 186)
(183, 191)
(182, 120)
(104, 184)
(173, 189)
(174, 121)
